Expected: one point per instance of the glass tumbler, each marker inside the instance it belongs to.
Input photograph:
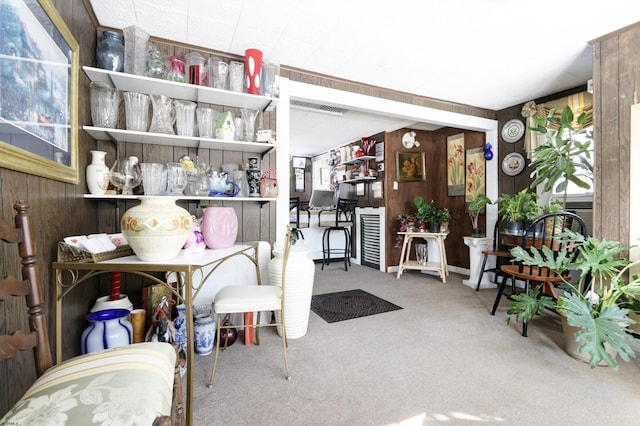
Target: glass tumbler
(206, 119)
(236, 76)
(185, 117)
(136, 107)
(176, 178)
(218, 73)
(152, 178)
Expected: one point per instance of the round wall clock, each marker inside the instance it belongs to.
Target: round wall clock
(513, 130)
(513, 164)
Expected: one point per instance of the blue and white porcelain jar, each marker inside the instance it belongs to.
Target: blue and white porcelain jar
(204, 329)
(179, 323)
(109, 329)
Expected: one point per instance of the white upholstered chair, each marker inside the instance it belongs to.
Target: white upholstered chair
(235, 299)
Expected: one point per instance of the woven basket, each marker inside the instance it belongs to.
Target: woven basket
(67, 253)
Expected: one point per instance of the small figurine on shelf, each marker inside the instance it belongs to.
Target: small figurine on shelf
(195, 243)
(161, 330)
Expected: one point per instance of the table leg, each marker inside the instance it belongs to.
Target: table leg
(248, 331)
(190, 349)
(58, 316)
(402, 254)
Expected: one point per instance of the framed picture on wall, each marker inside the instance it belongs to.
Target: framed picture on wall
(299, 162)
(455, 165)
(410, 166)
(299, 180)
(476, 173)
(39, 86)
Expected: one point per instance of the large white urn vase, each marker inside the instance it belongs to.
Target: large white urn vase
(298, 277)
(157, 228)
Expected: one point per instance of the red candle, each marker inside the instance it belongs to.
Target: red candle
(114, 292)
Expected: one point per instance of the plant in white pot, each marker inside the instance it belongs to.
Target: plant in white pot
(598, 304)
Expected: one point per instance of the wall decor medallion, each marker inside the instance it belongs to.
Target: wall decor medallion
(513, 131)
(513, 164)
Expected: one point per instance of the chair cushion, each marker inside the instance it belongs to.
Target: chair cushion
(130, 385)
(247, 298)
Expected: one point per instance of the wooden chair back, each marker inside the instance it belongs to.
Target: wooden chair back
(20, 235)
(547, 231)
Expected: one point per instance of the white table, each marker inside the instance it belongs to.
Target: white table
(440, 266)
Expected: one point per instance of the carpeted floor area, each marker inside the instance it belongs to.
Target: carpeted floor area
(442, 359)
(350, 304)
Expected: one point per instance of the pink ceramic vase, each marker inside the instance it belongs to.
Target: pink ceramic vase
(219, 227)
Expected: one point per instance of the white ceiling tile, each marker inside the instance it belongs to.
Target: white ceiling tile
(486, 53)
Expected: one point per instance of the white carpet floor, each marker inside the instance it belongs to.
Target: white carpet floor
(442, 359)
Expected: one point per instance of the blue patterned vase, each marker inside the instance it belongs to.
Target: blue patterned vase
(204, 329)
(179, 323)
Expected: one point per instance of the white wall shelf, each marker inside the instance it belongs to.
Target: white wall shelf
(181, 198)
(154, 86)
(120, 135)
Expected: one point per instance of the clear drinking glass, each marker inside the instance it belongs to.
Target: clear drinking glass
(176, 178)
(152, 178)
(236, 76)
(249, 123)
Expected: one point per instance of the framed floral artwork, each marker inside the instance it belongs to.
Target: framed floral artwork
(476, 173)
(455, 165)
(410, 166)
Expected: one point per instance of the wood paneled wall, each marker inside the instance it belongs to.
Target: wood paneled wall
(58, 210)
(616, 77)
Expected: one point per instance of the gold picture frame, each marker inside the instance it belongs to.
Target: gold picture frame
(39, 118)
(410, 166)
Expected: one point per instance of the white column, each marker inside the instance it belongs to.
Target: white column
(476, 247)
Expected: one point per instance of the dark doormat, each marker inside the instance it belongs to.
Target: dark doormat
(345, 305)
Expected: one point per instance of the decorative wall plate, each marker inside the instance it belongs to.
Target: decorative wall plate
(513, 164)
(513, 130)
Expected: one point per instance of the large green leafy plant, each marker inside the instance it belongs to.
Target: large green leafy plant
(518, 207)
(566, 155)
(598, 304)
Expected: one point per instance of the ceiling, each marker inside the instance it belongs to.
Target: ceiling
(486, 53)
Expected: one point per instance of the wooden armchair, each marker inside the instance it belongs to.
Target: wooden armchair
(135, 384)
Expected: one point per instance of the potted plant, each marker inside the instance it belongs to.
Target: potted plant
(422, 211)
(406, 222)
(597, 306)
(445, 217)
(517, 209)
(565, 157)
(473, 210)
(431, 214)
